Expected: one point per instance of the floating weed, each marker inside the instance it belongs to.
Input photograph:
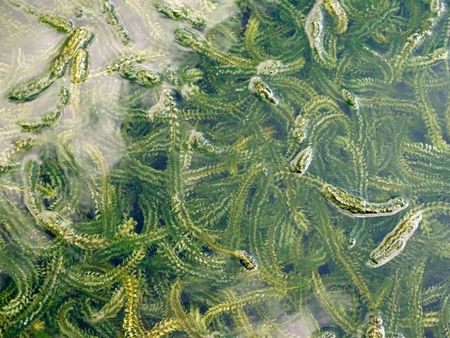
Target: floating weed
(137, 166)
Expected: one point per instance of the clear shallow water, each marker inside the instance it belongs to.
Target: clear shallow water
(277, 170)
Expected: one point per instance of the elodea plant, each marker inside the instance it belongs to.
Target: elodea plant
(281, 171)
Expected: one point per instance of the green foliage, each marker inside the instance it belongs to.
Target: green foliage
(290, 171)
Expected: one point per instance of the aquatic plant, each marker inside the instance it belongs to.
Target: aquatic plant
(285, 176)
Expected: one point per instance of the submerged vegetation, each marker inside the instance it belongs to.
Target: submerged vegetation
(285, 176)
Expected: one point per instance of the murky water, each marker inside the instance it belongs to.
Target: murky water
(201, 168)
